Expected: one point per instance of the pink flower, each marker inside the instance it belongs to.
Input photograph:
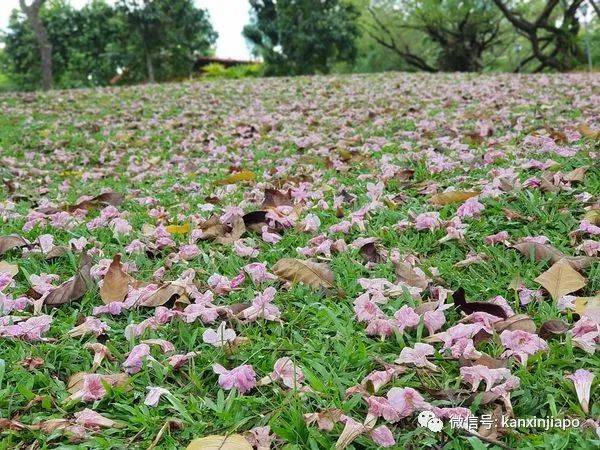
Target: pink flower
(586, 334)
(325, 419)
(365, 309)
(381, 326)
(587, 227)
(406, 317)
(177, 361)
(522, 344)
(165, 346)
(382, 436)
(434, 320)
(477, 373)
(497, 238)
(46, 242)
(470, 208)
(406, 401)
(188, 252)
(259, 437)
(90, 325)
(31, 329)
(311, 223)
(262, 307)
(381, 407)
(258, 272)
(135, 359)
(582, 380)
(243, 250)
(92, 388)
(91, 419)
(590, 248)
(120, 227)
(417, 356)
(207, 314)
(271, 238)
(289, 374)
(220, 337)
(154, 394)
(242, 378)
(101, 351)
(428, 221)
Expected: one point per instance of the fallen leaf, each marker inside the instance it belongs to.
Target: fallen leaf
(543, 252)
(255, 220)
(74, 288)
(220, 233)
(484, 360)
(244, 175)
(275, 198)
(517, 322)
(471, 307)
(104, 199)
(577, 174)
(406, 274)
(588, 306)
(56, 252)
(588, 131)
(115, 285)
(166, 293)
(446, 198)
(561, 279)
(311, 273)
(11, 269)
(178, 229)
(215, 442)
(372, 252)
(553, 328)
(12, 241)
(511, 214)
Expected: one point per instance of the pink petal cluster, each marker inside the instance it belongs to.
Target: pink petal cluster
(241, 378)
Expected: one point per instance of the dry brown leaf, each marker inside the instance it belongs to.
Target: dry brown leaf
(74, 288)
(406, 274)
(542, 252)
(115, 285)
(373, 252)
(593, 215)
(12, 241)
(244, 175)
(561, 279)
(311, 273)
(56, 252)
(517, 322)
(577, 174)
(275, 198)
(220, 233)
(216, 442)
(106, 198)
(11, 269)
(446, 198)
(165, 293)
(587, 131)
(552, 328)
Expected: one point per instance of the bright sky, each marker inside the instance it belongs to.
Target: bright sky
(227, 16)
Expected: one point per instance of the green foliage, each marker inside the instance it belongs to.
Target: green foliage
(168, 36)
(216, 70)
(93, 44)
(297, 37)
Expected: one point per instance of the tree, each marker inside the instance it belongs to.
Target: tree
(168, 34)
(32, 12)
(437, 35)
(296, 37)
(552, 34)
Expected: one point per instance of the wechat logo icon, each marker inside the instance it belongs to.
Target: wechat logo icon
(429, 420)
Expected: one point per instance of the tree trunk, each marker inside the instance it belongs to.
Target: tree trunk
(45, 47)
(150, 68)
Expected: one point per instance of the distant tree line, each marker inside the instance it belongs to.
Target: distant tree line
(50, 43)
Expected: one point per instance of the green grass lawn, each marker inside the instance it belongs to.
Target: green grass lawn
(168, 148)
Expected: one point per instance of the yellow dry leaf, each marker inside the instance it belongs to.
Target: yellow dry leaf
(587, 131)
(216, 442)
(445, 198)
(588, 306)
(11, 269)
(244, 175)
(179, 229)
(561, 279)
